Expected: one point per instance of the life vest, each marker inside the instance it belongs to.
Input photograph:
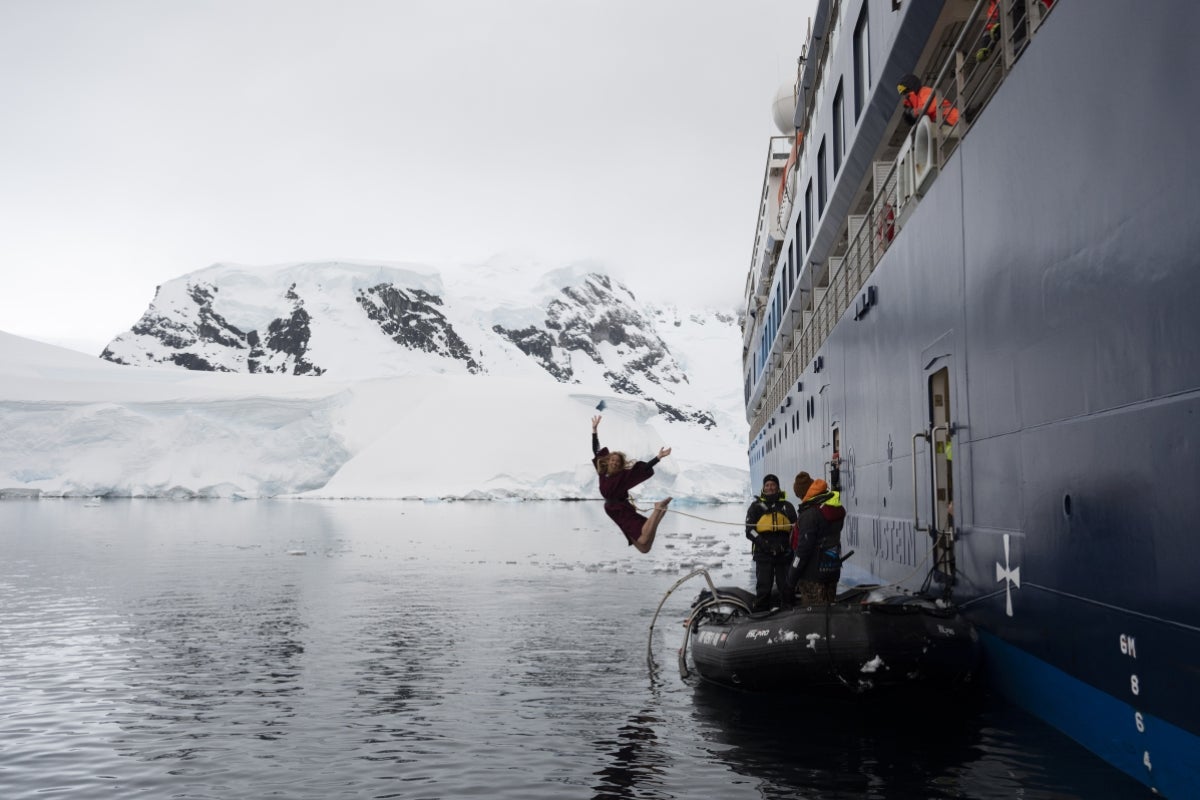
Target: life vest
(825, 563)
(993, 16)
(916, 100)
(772, 522)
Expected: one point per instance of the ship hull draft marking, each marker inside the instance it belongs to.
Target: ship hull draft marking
(1011, 577)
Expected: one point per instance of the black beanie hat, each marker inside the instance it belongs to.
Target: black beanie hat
(910, 82)
(770, 477)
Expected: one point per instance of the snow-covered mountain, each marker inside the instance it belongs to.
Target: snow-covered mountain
(353, 321)
(381, 381)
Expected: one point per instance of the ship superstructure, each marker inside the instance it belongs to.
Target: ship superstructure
(979, 324)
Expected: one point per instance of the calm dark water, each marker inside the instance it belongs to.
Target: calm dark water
(181, 650)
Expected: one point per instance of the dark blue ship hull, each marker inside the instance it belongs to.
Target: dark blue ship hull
(1051, 275)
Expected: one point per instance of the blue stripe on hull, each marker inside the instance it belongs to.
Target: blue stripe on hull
(1101, 723)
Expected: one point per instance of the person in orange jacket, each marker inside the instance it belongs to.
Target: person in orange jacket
(991, 26)
(816, 542)
(915, 97)
(991, 32)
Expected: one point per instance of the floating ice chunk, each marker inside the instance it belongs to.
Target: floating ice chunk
(813, 638)
(297, 552)
(873, 665)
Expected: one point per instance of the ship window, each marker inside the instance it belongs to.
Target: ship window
(792, 271)
(862, 62)
(808, 216)
(839, 129)
(800, 218)
(821, 181)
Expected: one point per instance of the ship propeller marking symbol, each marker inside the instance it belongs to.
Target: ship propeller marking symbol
(1011, 576)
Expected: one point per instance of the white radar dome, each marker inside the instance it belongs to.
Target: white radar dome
(784, 108)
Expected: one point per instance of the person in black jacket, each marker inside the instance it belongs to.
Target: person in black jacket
(768, 523)
(817, 541)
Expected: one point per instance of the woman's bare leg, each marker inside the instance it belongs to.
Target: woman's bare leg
(646, 540)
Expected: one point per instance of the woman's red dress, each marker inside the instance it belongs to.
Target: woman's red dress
(615, 491)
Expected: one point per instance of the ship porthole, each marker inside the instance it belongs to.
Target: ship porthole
(1066, 505)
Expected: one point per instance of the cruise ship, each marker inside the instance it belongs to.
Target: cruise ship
(980, 320)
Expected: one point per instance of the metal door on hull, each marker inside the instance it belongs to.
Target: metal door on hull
(933, 508)
(833, 467)
(830, 437)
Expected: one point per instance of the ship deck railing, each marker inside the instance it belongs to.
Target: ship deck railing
(764, 257)
(968, 84)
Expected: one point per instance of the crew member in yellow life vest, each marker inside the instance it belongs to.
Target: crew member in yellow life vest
(768, 525)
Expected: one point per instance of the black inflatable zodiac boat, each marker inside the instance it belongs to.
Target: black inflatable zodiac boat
(868, 639)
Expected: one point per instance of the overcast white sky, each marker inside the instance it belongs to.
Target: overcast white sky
(143, 139)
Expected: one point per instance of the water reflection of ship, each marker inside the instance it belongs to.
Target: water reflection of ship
(959, 745)
(844, 749)
(637, 764)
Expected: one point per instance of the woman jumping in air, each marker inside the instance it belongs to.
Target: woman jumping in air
(616, 479)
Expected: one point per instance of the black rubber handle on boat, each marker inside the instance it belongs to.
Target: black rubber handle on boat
(842, 560)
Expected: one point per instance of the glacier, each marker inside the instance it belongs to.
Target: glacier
(379, 380)
(73, 425)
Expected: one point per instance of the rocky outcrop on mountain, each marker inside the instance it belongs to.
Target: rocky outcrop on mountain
(186, 326)
(412, 321)
(186, 339)
(542, 347)
(600, 320)
(284, 349)
(576, 326)
(199, 338)
(595, 313)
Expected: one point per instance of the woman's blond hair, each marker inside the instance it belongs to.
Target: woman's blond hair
(602, 464)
